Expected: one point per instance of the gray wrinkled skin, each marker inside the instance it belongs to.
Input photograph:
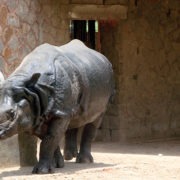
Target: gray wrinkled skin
(53, 92)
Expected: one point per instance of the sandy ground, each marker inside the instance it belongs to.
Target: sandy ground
(157, 160)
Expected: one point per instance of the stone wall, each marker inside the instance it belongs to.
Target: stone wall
(109, 46)
(149, 86)
(145, 52)
(25, 24)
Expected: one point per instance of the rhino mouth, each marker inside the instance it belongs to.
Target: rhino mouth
(8, 128)
(3, 133)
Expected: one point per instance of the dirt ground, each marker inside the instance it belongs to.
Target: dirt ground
(157, 160)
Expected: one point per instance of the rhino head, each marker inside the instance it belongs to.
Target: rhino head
(16, 113)
(8, 118)
(14, 116)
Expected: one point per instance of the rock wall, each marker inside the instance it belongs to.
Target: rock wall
(148, 44)
(25, 24)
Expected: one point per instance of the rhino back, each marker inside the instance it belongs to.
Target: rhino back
(94, 79)
(94, 68)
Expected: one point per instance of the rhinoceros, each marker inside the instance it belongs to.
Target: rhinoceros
(52, 93)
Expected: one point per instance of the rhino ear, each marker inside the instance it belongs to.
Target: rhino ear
(33, 80)
(1, 79)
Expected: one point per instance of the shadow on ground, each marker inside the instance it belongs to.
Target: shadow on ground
(112, 160)
(70, 168)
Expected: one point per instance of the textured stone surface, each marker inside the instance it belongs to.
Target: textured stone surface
(150, 51)
(110, 2)
(86, 2)
(27, 24)
(144, 51)
(9, 152)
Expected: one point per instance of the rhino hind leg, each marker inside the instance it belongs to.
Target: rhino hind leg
(58, 158)
(88, 135)
(70, 148)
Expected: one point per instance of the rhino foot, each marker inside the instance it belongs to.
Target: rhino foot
(43, 167)
(68, 155)
(84, 158)
(58, 160)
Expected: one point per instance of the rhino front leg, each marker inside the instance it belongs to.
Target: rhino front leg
(49, 147)
(45, 164)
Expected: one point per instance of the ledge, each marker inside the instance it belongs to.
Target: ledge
(98, 12)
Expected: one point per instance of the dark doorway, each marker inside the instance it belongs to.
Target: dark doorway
(86, 31)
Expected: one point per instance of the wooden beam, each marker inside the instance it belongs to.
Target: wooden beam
(98, 12)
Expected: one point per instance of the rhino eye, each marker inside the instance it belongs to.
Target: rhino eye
(11, 113)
